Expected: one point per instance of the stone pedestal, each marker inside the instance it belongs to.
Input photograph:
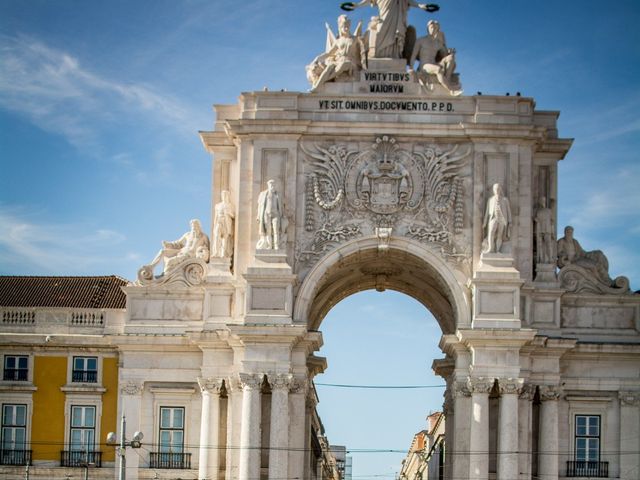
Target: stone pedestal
(546, 274)
(496, 292)
(269, 288)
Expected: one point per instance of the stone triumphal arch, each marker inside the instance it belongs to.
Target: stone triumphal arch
(385, 178)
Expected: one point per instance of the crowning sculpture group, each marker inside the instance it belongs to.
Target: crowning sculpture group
(388, 36)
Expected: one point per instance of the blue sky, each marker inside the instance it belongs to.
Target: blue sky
(100, 104)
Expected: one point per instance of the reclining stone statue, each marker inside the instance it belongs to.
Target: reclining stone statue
(582, 271)
(193, 244)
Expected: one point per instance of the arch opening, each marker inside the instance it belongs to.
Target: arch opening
(404, 266)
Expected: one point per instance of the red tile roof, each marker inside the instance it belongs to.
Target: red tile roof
(69, 292)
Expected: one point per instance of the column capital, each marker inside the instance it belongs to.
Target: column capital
(461, 389)
(299, 385)
(527, 392)
(132, 387)
(250, 381)
(211, 385)
(629, 398)
(510, 385)
(549, 392)
(480, 384)
(281, 381)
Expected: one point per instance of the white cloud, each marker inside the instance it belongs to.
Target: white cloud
(28, 246)
(55, 92)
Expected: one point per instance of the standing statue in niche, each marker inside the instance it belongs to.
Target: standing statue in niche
(269, 218)
(497, 220)
(545, 233)
(193, 244)
(344, 58)
(435, 60)
(224, 214)
(391, 24)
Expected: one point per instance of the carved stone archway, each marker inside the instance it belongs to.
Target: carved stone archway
(403, 265)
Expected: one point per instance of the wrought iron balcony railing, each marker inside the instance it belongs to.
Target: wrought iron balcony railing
(16, 374)
(583, 468)
(80, 458)
(15, 457)
(180, 461)
(84, 376)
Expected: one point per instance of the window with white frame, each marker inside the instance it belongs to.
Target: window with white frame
(14, 435)
(16, 368)
(587, 438)
(85, 370)
(171, 433)
(83, 428)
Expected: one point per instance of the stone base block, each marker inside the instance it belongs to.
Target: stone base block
(546, 274)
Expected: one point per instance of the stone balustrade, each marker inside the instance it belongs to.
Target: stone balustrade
(52, 320)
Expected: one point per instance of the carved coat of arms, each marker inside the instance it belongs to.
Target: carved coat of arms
(418, 192)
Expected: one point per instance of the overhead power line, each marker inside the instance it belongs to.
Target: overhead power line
(390, 387)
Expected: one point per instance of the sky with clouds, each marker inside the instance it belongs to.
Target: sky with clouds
(100, 104)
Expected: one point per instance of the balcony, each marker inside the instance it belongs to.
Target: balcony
(15, 457)
(583, 468)
(84, 376)
(80, 458)
(179, 461)
(16, 374)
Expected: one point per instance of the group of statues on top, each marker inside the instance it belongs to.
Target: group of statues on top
(387, 36)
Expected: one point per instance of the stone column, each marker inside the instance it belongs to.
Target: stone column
(548, 442)
(297, 422)
(209, 462)
(629, 435)
(459, 451)
(479, 435)
(525, 424)
(131, 407)
(508, 429)
(279, 434)
(250, 427)
(449, 440)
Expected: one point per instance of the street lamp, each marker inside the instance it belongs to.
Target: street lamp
(136, 442)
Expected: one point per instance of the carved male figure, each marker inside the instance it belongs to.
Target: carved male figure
(224, 214)
(435, 58)
(545, 233)
(392, 25)
(571, 253)
(497, 220)
(269, 218)
(345, 58)
(193, 244)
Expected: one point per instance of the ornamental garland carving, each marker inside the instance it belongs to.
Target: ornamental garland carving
(417, 191)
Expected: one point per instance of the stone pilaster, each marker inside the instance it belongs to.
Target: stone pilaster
(629, 435)
(131, 407)
(279, 432)
(548, 442)
(297, 426)
(479, 435)
(209, 463)
(250, 443)
(461, 421)
(508, 428)
(525, 426)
